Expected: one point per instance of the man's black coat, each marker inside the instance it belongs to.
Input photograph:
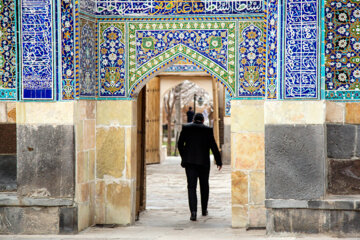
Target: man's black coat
(195, 143)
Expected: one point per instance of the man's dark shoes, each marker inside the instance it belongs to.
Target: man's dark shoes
(193, 216)
(205, 213)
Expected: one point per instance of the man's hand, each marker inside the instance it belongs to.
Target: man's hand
(219, 167)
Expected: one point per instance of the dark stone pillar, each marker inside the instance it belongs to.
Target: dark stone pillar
(8, 157)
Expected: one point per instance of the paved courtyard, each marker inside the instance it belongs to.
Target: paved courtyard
(167, 214)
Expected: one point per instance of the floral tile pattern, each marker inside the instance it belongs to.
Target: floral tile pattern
(87, 58)
(301, 48)
(342, 49)
(210, 45)
(251, 60)
(112, 60)
(272, 50)
(7, 50)
(68, 50)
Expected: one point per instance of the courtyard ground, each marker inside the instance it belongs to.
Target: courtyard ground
(167, 214)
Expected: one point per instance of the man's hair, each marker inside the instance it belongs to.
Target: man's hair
(190, 108)
(198, 118)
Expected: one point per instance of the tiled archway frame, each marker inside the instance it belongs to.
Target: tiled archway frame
(209, 45)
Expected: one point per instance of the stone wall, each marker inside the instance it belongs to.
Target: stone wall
(45, 144)
(46, 149)
(295, 149)
(343, 148)
(8, 146)
(247, 161)
(115, 162)
(85, 125)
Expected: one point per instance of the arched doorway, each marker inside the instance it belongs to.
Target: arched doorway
(161, 184)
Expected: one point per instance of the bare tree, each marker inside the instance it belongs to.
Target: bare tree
(169, 103)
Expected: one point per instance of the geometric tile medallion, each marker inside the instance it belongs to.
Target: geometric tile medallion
(112, 60)
(37, 49)
(209, 45)
(7, 51)
(178, 7)
(251, 59)
(301, 49)
(87, 71)
(342, 49)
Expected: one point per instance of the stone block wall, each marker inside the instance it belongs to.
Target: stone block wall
(8, 146)
(85, 127)
(226, 147)
(343, 148)
(247, 162)
(295, 149)
(115, 162)
(45, 145)
(46, 150)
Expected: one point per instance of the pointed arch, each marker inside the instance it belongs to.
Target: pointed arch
(160, 67)
(155, 46)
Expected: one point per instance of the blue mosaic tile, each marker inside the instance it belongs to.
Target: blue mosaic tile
(301, 37)
(7, 51)
(112, 60)
(68, 49)
(251, 60)
(87, 58)
(176, 7)
(153, 46)
(183, 68)
(150, 44)
(37, 50)
(272, 50)
(342, 49)
(342, 95)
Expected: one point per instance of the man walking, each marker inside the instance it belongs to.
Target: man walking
(194, 145)
(190, 115)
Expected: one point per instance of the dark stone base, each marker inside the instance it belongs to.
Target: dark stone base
(38, 220)
(340, 223)
(7, 173)
(294, 161)
(46, 161)
(344, 177)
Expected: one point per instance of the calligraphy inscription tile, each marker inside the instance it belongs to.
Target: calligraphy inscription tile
(210, 45)
(37, 50)
(177, 7)
(251, 59)
(301, 37)
(342, 46)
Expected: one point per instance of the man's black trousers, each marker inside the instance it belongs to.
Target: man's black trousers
(193, 173)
